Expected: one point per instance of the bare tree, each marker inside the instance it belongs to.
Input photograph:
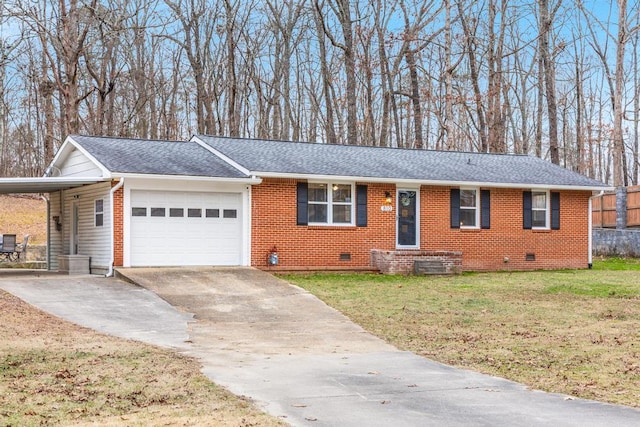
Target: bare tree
(547, 14)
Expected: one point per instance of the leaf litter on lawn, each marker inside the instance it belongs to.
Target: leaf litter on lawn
(54, 372)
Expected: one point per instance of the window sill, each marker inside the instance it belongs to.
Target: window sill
(470, 229)
(541, 230)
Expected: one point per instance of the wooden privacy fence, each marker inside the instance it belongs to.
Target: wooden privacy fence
(603, 209)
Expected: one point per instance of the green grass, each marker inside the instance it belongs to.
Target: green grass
(568, 331)
(617, 264)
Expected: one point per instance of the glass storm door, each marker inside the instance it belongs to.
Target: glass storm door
(407, 219)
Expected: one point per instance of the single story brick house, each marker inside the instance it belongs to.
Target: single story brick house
(230, 201)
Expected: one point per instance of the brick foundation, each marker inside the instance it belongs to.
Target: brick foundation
(409, 260)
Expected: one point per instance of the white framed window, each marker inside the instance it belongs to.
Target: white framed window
(330, 203)
(540, 209)
(469, 212)
(98, 212)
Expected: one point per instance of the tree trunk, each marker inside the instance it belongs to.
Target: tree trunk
(475, 78)
(548, 63)
(619, 166)
(344, 7)
(415, 99)
(326, 77)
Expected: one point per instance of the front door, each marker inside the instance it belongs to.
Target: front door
(407, 227)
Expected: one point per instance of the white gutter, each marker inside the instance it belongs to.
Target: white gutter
(252, 180)
(113, 217)
(590, 228)
(404, 181)
(48, 232)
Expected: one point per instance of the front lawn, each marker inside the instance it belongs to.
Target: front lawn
(53, 372)
(573, 331)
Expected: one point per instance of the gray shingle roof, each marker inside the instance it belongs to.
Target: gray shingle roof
(264, 157)
(121, 155)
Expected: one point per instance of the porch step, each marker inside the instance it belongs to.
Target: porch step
(416, 261)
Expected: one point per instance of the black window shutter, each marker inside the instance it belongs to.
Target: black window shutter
(361, 205)
(303, 207)
(485, 209)
(455, 208)
(527, 220)
(555, 211)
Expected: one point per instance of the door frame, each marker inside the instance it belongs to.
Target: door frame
(74, 231)
(417, 222)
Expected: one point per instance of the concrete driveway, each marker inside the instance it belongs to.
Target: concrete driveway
(296, 357)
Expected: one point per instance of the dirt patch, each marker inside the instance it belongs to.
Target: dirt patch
(54, 372)
(22, 215)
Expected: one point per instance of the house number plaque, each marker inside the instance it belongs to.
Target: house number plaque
(386, 208)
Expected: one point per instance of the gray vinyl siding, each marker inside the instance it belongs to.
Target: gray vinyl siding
(77, 164)
(55, 236)
(92, 241)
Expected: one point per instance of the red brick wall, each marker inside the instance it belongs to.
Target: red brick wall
(118, 215)
(274, 224)
(487, 249)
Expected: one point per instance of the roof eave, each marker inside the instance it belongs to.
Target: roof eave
(45, 184)
(65, 150)
(417, 182)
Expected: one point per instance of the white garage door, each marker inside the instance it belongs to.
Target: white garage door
(174, 228)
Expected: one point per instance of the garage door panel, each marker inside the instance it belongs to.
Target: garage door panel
(196, 240)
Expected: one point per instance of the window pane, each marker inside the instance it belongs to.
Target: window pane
(342, 213)
(468, 198)
(539, 218)
(138, 211)
(229, 213)
(99, 220)
(212, 213)
(467, 217)
(539, 200)
(99, 205)
(158, 212)
(317, 213)
(342, 193)
(176, 212)
(317, 192)
(194, 213)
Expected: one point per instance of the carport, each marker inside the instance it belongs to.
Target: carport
(44, 185)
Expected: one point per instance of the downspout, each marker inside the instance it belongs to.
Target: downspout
(48, 232)
(113, 226)
(590, 249)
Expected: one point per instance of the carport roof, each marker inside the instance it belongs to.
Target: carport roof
(43, 185)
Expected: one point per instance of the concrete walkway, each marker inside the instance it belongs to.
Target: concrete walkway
(297, 358)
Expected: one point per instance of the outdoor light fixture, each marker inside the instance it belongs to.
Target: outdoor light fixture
(387, 198)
